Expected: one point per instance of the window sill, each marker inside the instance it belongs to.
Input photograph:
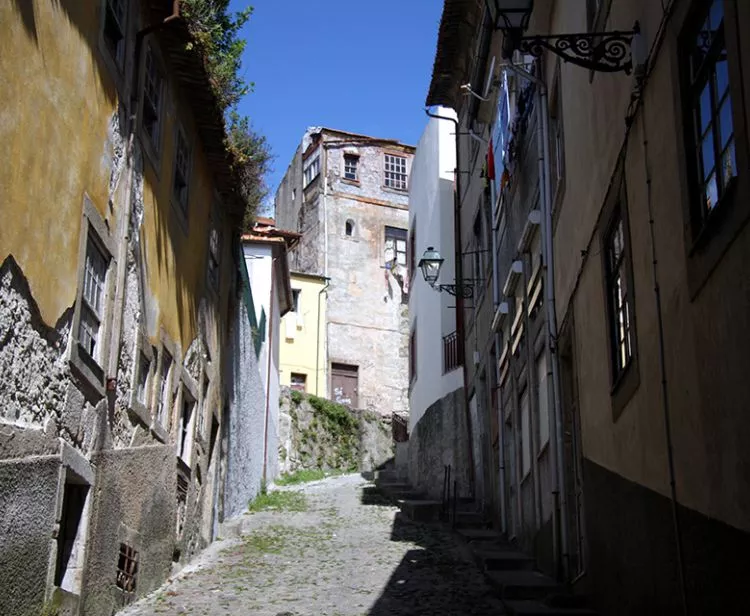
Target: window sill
(396, 191)
(159, 431)
(139, 412)
(351, 182)
(89, 372)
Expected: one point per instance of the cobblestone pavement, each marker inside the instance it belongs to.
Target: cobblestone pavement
(347, 555)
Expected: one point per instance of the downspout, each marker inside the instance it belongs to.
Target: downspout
(317, 341)
(124, 222)
(459, 299)
(548, 265)
(268, 367)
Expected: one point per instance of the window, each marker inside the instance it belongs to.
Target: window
(295, 300)
(349, 228)
(525, 434)
(72, 534)
(712, 139)
(395, 247)
(299, 382)
(350, 167)
(144, 369)
(214, 255)
(312, 170)
(542, 398)
(185, 436)
(115, 16)
(395, 172)
(413, 355)
(181, 176)
(127, 568)
(592, 12)
(92, 307)
(618, 297)
(556, 146)
(152, 99)
(412, 249)
(164, 389)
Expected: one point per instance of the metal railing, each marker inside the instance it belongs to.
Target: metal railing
(452, 352)
(400, 427)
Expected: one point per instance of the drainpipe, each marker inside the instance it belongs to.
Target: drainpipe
(124, 222)
(459, 299)
(268, 367)
(558, 478)
(317, 341)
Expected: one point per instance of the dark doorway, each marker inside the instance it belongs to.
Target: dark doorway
(74, 500)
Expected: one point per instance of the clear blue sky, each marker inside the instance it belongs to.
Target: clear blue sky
(358, 65)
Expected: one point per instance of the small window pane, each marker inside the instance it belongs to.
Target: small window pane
(707, 153)
(722, 78)
(725, 122)
(705, 108)
(729, 163)
(711, 193)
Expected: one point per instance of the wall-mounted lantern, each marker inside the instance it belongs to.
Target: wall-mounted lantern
(599, 51)
(430, 264)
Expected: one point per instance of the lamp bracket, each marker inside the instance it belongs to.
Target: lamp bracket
(608, 52)
(456, 290)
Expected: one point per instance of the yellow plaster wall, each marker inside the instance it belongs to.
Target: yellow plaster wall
(299, 355)
(56, 101)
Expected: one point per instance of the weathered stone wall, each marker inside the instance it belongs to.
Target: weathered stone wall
(244, 423)
(439, 438)
(317, 433)
(133, 503)
(28, 500)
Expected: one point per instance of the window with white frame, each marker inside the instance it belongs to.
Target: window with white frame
(351, 162)
(93, 296)
(395, 246)
(114, 29)
(181, 176)
(164, 400)
(153, 83)
(312, 170)
(395, 172)
(144, 370)
(214, 254)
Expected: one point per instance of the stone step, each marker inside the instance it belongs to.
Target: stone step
(480, 534)
(389, 475)
(421, 510)
(407, 495)
(393, 486)
(530, 607)
(522, 584)
(501, 558)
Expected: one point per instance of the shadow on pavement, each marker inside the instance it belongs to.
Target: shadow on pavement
(437, 577)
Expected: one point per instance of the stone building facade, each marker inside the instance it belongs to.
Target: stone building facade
(118, 282)
(347, 194)
(620, 392)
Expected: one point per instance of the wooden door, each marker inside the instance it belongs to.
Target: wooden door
(345, 384)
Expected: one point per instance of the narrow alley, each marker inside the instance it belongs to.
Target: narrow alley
(344, 555)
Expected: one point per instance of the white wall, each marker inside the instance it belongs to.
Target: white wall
(259, 262)
(431, 218)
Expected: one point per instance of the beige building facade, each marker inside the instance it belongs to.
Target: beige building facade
(620, 397)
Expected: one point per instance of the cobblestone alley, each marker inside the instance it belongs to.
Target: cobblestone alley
(339, 557)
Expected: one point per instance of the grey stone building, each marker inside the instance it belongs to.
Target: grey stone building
(348, 196)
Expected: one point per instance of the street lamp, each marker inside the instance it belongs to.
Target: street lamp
(599, 51)
(430, 264)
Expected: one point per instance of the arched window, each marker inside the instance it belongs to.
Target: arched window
(349, 227)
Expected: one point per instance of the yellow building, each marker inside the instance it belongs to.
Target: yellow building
(117, 278)
(303, 336)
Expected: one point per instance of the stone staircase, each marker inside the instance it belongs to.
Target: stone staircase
(512, 574)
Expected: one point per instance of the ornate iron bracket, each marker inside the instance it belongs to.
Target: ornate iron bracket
(599, 51)
(464, 290)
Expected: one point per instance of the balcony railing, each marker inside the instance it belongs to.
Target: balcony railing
(452, 352)
(400, 426)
